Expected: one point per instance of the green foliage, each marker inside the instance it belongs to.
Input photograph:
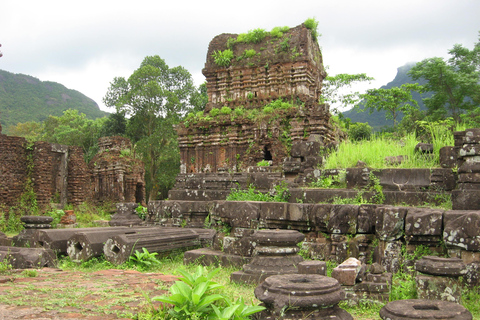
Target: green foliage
(5, 266)
(280, 193)
(312, 24)
(144, 260)
(223, 58)
(359, 131)
(29, 273)
(155, 97)
(195, 296)
(26, 99)
(278, 32)
(403, 286)
(141, 211)
(333, 90)
(454, 83)
(393, 100)
(225, 110)
(330, 181)
(214, 112)
(263, 163)
(253, 36)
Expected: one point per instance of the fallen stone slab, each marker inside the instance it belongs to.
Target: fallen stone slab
(56, 239)
(438, 266)
(24, 258)
(85, 245)
(207, 256)
(119, 248)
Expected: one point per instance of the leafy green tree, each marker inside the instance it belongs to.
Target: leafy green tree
(455, 83)
(115, 125)
(30, 130)
(74, 129)
(391, 100)
(155, 97)
(335, 89)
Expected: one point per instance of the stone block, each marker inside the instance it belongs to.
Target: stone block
(313, 267)
(366, 218)
(357, 177)
(423, 221)
(443, 179)
(346, 273)
(413, 309)
(390, 222)
(424, 148)
(461, 229)
(438, 266)
(303, 149)
(24, 258)
(438, 288)
(321, 216)
(126, 215)
(448, 157)
(404, 179)
(343, 219)
(207, 256)
(238, 214)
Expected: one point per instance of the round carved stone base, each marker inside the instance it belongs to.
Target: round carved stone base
(414, 309)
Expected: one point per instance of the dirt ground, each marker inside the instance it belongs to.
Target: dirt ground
(56, 294)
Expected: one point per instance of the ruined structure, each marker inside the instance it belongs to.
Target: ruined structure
(54, 173)
(115, 174)
(237, 129)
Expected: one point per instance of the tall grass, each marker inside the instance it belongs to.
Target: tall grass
(373, 152)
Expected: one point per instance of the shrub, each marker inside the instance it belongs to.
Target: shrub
(253, 36)
(312, 24)
(277, 32)
(359, 131)
(225, 110)
(223, 58)
(239, 111)
(263, 163)
(214, 112)
(250, 53)
(267, 109)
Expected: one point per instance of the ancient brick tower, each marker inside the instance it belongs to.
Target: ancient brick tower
(239, 128)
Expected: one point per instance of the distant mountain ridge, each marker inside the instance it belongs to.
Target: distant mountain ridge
(377, 119)
(25, 98)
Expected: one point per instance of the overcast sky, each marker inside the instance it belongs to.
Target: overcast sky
(85, 44)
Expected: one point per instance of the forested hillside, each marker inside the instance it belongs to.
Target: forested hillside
(24, 98)
(377, 119)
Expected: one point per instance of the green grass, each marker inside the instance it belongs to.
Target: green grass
(374, 151)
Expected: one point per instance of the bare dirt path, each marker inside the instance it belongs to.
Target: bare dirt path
(56, 294)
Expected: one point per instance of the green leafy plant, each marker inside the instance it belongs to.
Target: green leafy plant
(263, 163)
(223, 58)
(5, 266)
(141, 211)
(312, 24)
(253, 36)
(144, 260)
(225, 110)
(197, 296)
(193, 296)
(214, 112)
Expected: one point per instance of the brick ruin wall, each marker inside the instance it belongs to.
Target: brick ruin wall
(59, 173)
(13, 168)
(287, 67)
(294, 73)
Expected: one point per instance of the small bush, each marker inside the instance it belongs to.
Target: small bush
(239, 111)
(225, 110)
(277, 32)
(312, 24)
(267, 109)
(263, 163)
(250, 53)
(359, 131)
(214, 112)
(253, 36)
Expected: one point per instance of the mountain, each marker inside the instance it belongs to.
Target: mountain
(377, 119)
(25, 98)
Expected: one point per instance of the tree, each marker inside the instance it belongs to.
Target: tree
(155, 97)
(333, 90)
(391, 100)
(455, 83)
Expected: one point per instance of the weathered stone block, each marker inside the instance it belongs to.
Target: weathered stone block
(438, 288)
(424, 148)
(366, 218)
(461, 229)
(448, 157)
(207, 256)
(390, 222)
(438, 266)
(423, 221)
(404, 179)
(313, 267)
(238, 214)
(303, 149)
(343, 219)
(413, 309)
(357, 177)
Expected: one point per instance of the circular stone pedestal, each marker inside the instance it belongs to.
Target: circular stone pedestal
(276, 252)
(448, 267)
(301, 296)
(414, 309)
